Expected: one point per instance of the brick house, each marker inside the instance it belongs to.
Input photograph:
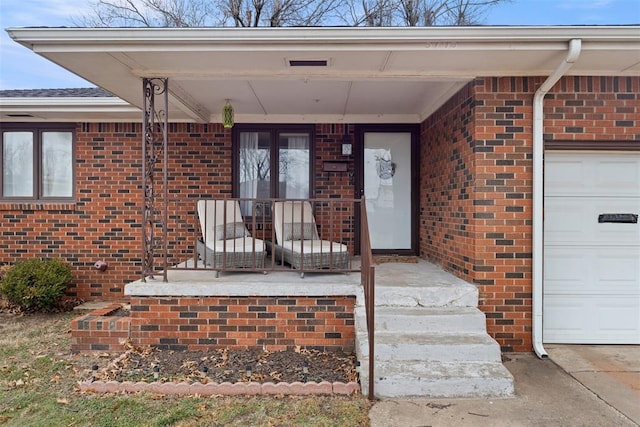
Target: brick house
(488, 126)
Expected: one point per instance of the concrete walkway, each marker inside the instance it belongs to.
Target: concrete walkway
(546, 395)
(611, 372)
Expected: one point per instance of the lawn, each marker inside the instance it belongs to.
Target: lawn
(39, 377)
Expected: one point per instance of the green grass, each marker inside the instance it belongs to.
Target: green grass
(38, 387)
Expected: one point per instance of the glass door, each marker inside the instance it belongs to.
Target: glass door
(388, 184)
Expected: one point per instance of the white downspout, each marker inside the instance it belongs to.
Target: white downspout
(575, 46)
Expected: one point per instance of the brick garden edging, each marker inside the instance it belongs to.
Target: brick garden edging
(226, 388)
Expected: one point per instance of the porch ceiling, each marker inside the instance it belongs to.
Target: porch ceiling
(372, 74)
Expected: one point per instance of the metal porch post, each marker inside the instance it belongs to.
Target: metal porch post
(154, 153)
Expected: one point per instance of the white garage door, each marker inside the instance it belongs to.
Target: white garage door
(591, 262)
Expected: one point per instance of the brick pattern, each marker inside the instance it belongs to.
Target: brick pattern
(94, 227)
(503, 200)
(338, 224)
(475, 203)
(104, 221)
(275, 323)
(495, 252)
(593, 108)
(100, 331)
(447, 185)
(329, 139)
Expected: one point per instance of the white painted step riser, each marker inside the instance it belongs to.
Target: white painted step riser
(453, 296)
(435, 353)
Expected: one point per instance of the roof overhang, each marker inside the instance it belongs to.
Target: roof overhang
(371, 74)
(67, 109)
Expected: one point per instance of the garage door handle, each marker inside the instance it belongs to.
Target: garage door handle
(619, 218)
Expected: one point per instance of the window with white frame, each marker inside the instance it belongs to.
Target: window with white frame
(36, 162)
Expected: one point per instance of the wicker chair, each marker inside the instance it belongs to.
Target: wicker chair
(298, 243)
(226, 244)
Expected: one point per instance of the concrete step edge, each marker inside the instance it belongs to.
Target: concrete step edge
(415, 370)
(422, 310)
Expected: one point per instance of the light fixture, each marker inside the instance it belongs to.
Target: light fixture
(203, 374)
(227, 115)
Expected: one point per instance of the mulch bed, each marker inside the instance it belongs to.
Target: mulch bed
(217, 366)
(225, 365)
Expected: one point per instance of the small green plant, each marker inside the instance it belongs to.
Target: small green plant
(35, 284)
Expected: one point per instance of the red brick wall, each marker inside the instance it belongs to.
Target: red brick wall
(494, 141)
(447, 185)
(503, 193)
(100, 330)
(104, 221)
(277, 323)
(100, 225)
(335, 224)
(329, 139)
(593, 108)
(475, 206)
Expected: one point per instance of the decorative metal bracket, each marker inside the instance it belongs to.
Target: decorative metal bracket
(154, 162)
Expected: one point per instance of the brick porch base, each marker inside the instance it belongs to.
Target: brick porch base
(325, 323)
(99, 330)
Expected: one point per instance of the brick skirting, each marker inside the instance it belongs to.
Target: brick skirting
(325, 323)
(100, 331)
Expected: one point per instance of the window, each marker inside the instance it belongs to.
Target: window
(273, 162)
(36, 162)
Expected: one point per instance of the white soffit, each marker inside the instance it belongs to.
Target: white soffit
(67, 109)
(372, 74)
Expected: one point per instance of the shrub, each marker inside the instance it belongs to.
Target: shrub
(35, 284)
(4, 269)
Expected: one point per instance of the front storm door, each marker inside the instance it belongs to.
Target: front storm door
(387, 178)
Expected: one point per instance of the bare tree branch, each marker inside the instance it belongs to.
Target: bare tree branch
(279, 13)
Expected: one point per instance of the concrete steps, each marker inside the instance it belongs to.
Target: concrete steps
(432, 295)
(443, 379)
(429, 319)
(431, 339)
(435, 347)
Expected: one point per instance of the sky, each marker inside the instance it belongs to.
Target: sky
(20, 68)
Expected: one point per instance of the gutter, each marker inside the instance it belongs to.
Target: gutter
(575, 47)
(41, 39)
